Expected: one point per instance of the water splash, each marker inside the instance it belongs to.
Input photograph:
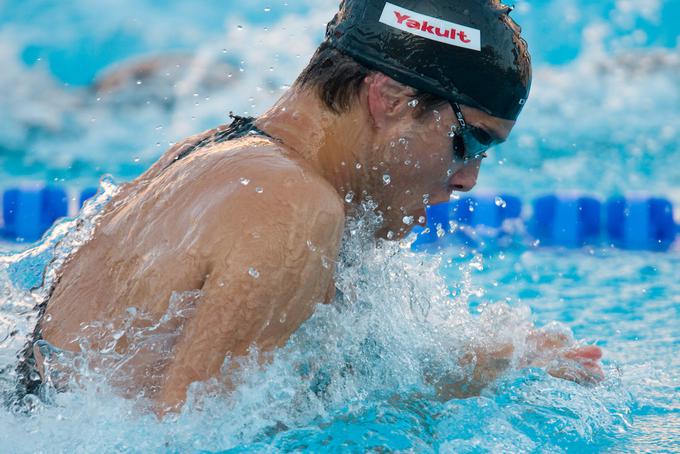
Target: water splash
(375, 354)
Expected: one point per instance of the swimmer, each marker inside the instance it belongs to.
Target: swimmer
(229, 240)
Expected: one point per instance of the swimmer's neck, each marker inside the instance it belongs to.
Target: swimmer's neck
(332, 144)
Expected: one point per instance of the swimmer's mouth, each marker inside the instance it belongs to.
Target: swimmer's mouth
(456, 188)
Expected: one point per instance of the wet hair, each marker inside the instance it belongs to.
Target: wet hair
(337, 80)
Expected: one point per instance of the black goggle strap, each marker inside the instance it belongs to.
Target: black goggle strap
(459, 114)
(459, 146)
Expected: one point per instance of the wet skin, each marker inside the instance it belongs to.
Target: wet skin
(260, 254)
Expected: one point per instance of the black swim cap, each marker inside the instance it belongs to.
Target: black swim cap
(466, 51)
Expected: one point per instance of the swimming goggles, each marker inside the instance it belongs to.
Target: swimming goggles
(469, 142)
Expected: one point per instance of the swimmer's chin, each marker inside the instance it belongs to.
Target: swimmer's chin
(397, 229)
(394, 234)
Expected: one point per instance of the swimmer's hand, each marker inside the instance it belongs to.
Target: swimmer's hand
(556, 353)
(562, 359)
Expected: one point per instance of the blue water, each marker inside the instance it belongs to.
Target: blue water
(603, 119)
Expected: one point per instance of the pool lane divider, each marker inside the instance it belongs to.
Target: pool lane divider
(28, 212)
(554, 220)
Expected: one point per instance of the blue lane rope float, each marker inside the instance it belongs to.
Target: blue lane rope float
(480, 212)
(555, 220)
(86, 195)
(569, 221)
(640, 223)
(28, 213)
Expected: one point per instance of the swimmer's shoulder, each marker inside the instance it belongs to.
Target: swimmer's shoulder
(260, 174)
(174, 153)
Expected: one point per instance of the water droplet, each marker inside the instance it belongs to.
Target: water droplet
(426, 199)
(500, 202)
(244, 181)
(325, 262)
(267, 9)
(239, 27)
(437, 116)
(476, 264)
(283, 318)
(259, 190)
(413, 103)
(387, 179)
(390, 235)
(402, 141)
(408, 220)
(253, 273)
(422, 220)
(349, 197)
(139, 82)
(358, 166)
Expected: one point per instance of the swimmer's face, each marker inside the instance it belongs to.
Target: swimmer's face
(419, 165)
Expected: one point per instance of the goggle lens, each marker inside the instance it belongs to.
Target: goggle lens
(469, 142)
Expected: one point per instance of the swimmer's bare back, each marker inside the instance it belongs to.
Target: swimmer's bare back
(246, 223)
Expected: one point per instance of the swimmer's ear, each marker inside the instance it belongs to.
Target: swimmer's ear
(387, 99)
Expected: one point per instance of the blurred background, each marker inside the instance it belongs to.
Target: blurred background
(91, 88)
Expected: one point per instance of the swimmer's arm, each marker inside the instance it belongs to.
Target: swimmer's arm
(262, 289)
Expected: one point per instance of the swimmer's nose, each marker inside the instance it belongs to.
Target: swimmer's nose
(465, 178)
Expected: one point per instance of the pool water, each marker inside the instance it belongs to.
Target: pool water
(603, 120)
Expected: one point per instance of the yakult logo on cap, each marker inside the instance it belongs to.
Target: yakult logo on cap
(431, 28)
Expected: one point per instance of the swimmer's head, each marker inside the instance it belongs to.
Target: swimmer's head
(464, 51)
(421, 94)
(466, 54)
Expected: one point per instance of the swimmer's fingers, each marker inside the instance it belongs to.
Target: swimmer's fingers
(585, 372)
(589, 352)
(596, 372)
(542, 340)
